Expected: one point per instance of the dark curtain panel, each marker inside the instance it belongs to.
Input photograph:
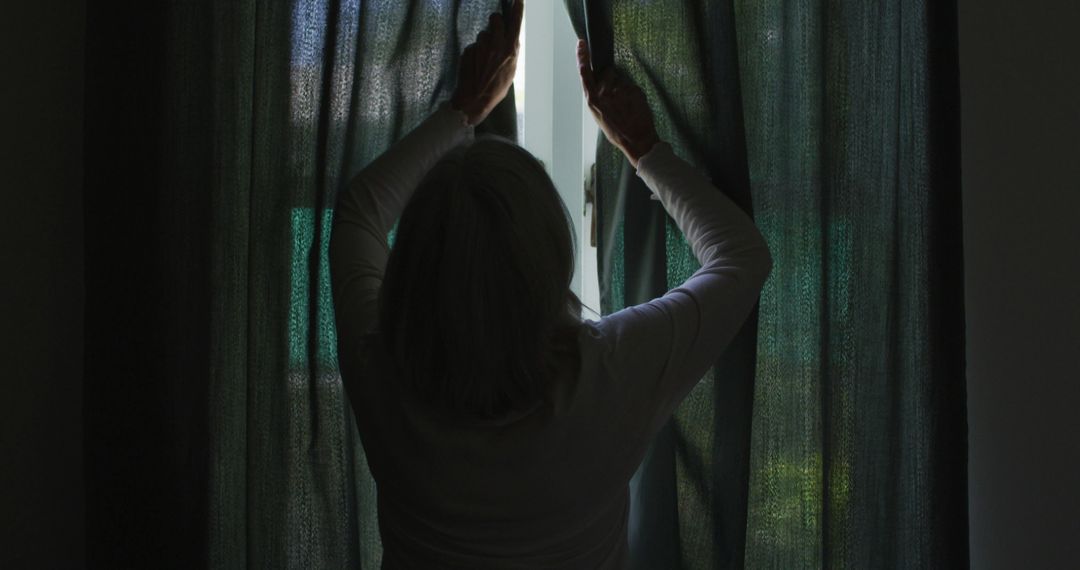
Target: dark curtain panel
(689, 496)
(838, 122)
(218, 134)
(860, 454)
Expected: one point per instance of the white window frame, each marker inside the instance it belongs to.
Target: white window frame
(558, 128)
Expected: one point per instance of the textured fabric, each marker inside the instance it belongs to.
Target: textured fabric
(546, 488)
(218, 134)
(855, 375)
(689, 497)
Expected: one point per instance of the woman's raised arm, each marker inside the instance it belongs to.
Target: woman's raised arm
(373, 201)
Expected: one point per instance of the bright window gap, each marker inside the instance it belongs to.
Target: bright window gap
(555, 125)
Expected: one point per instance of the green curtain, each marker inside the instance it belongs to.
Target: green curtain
(836, 124)
(218, 134)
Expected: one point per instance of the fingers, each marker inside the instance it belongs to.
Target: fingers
(468, 56)
(619, 105)
(507, 26)
(583, 54)
(624, 89)
(513, 23)
(483, 39)
(606, 82)
(496, 25)
(585, 68)
(501, 33)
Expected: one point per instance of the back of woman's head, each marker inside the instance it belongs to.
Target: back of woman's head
(476, 299)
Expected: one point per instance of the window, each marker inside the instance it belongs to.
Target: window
(556, 126)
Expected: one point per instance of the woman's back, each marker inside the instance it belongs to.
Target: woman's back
(548, 486)
(544, 488)
(542, 483)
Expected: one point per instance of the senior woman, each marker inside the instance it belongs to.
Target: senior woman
(502, 430)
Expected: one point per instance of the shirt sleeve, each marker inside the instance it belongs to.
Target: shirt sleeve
(659, 350)
(366, 211)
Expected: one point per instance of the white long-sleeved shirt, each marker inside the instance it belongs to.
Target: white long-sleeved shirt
(548, 489)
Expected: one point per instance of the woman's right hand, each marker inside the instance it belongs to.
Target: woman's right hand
(620, 108)
(487, 66)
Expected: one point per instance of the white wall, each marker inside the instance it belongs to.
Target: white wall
(557, 127)
(1020, 77)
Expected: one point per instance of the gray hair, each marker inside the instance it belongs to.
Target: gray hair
(476, 305)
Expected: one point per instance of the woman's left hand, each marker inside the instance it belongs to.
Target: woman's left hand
(487, 66)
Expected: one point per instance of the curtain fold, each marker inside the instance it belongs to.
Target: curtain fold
(838, 121)
(689, 496)
(860, 451)
(218, 135)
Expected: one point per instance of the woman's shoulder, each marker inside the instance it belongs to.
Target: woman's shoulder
(593, 336)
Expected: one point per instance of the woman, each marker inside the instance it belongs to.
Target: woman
(501, 430)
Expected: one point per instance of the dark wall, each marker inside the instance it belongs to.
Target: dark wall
(41, 291)
(1021, 162)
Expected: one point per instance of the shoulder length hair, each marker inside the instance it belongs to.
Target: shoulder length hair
(475, 304)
